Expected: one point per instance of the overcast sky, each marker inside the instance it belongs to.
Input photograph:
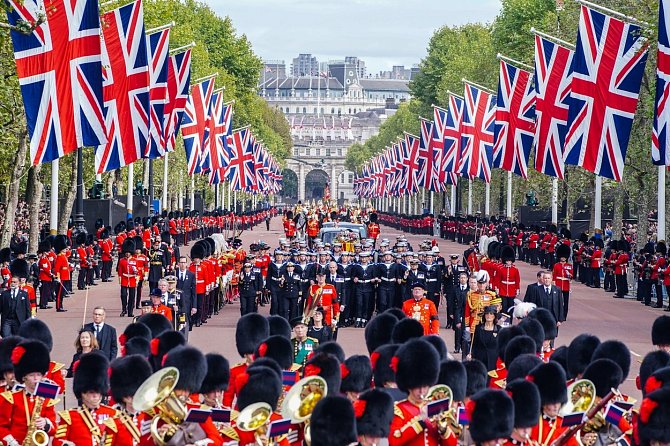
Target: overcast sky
(381, 32)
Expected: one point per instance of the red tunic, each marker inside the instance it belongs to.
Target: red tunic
(16, 408)
(127, 273)
(562, 275)
(74, 426)
(329, 302)
(44, 266)
(62, 267)
(509, 281)
(545, 432)
(424, 311)
(406, 429)
(231, 392)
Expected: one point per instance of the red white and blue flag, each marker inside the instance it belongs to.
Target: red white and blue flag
(427, 176)
(126, 87)
(410, 183)
(211, 158)
(241, 167)
(477, 128)
(158, 45)
(515, 120)
(448, 123)
(178, 83)
(552, 91)
(60, 72)
(606, 71)
(194, 123)
(660, 147)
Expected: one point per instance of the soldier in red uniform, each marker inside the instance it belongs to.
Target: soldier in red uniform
(373, 228)
(202, 279)
(126, 375)
(84, 263)
(312, 230)
(45, 275)
(596, 263)
(563, 275)
(621, 269)
(61, 270)
(422, 309)
(509, 280)
(533, 243)
(17, 408)
(142, 265)
(127, 271)
(251, 330)
(87, 425)
(416, 364)
(526, 400)
(37, 330)
(289, 225)
(107, 249)
(326, 294)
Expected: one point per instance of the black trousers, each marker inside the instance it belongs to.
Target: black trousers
(362, 300)
(10, 327)
(385, 297)
(128, 300)
(566, 303)
(60, 293)
(199, 305)
(81, 278)
(46, 291)
(621, 285)
(247, 303)
(507, 303)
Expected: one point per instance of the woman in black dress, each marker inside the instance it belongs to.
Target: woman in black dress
(317, 330)
(85, 343)
(485, 342)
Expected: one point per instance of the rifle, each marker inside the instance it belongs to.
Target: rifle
(572, 430)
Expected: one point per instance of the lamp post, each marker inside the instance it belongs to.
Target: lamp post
(150, 210)
(79, 203)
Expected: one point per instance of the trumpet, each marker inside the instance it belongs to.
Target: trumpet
(301, 400)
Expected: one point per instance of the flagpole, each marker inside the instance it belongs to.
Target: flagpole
(597, 221)
(511, 61)
(165, 182)
(470, 196)
(453, 200)
(205, 78)
(613, 12)
(192, 201)
(660, 228)
(432, 209)
(416, 203)
(129, 196)
(423, 200)
(554, 201)
(53, 208)
(555, 39)
(481, 87)
(487, 203)
(509, 194)
(160, 28)
(182, 48)
(230, 195)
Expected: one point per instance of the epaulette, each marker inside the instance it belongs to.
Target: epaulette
(231, 433)
(295, 367)
(313, 339)
(492, 293)
(397, 411)
(493, 374)
(57, 366)
(502, 383)
(111, 424)
(65, 416)
(239, 364)
(8, 396)
(53, 402)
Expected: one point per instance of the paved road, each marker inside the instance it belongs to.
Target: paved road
(592, 311)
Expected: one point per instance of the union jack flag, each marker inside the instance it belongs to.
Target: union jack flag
(552, 89)
(429, 157)
(259, 169)
(660, 155)
(216, 157)
(126, 87)
(448, 124)
(159, 49)
(60, 72)
(178, 83)
(515, 120)
(607, 71)
(241, 167)
(194, 122)
(477, 127)
(410, 183)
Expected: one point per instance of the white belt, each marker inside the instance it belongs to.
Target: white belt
(508, 283)
(561, 278)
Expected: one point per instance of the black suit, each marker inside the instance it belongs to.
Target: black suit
(13, 311)
(458, 302)
(553, 301)
(106, 339)
(188, 296)
(532, 293)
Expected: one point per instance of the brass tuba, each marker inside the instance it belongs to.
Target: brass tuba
(255, 418)
(301, 400)
(156, 394)
(447, 419)
(581, 397)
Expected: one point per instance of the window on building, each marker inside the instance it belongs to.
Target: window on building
(308, 151)
(315, 110)
(322, 111)
(327, 151)
(304, 110)
(332, 111)
(296, 151)
(351, 178)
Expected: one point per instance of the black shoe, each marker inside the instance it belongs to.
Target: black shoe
(61, 310)
(123, 313)
(617, 297)
(456, 352)
(657, 306)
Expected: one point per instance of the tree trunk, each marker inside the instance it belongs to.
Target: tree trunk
(34, 201)
(592, 218)
(66, 210)
(145, 176)
(642, 212)
(617, 215)
(13, 192)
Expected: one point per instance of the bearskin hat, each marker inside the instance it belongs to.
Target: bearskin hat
(522, 365)
(614, 245)
(251, 329)
(218, 374)
(333, 348)
(128, 246)
(165, 237)
(279, 326)
(405, 330)
(333, 422)
(417, 364)
(504, 336)
(533, 328)
(278, 348)
(378, 330)
(328, 367)
(660, 331)
(44, 246)
(137, 346)
(99, 223)
(526, 399)
(28, 357)
(266, 362)
(507, 253)
(356, 374)
(80, 239)
(583, 237)
(136, 329)
(6, 348)
(120, 227)
(661, 247)
(563, 251)
(60, 243)
(439, 344)
(477, 376)
(90, 238)
(104, 234)
(491, 414)
(127, 374)
(198, 251)
(19, 268)
(20, 247)
(157, 323)
(653, 423)
(397, 312)
(258, 385)
(617, 352)
(560, 356)
(453, 374)
(653, 361)
(374, 413)
(380, 360)
(90, 374)
(550, 381)
(605, 374)
(162, 344)
(518, 346)
(139, 243)
(548, 321)
(373, 217)
(191, 364)
(36, 329)
(580, 352)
